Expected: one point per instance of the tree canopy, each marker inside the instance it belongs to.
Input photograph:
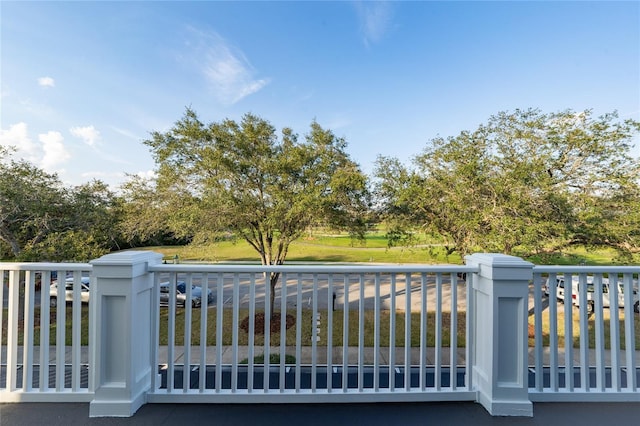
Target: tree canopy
(245, 179)
(525, 180)
(41, 219)
(242, 178)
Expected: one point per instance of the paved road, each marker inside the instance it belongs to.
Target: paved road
(301, 289)
(390, 294)
(304, 285)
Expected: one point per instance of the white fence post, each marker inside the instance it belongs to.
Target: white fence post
(120, 329)
(499, 325)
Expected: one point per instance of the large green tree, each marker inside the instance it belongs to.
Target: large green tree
(525, 180)
(31, 202)
(142, 218)
(244, 178)
(41, 219)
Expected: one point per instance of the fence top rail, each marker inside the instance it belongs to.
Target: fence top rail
(314, 269)
(319, 268)
(48, 266)
(571, 269)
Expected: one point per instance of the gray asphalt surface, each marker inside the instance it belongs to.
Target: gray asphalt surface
(390, 414)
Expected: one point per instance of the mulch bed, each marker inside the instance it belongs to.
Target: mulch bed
(274, 323)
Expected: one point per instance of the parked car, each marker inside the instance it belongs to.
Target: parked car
(559, 289)
(68, 284)
(606, 302)
(39, 275)
(181, 294)
(606, 295)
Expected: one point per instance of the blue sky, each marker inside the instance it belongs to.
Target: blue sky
(83, 83)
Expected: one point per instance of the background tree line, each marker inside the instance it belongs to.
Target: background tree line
(41, 219)
(524, 182)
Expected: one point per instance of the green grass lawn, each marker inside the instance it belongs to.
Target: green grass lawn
(591, 324)
(310, 251)
(342, 248)
(306, 327)
(588, 256)
(338, 324)
(318, 248)
(84, 326)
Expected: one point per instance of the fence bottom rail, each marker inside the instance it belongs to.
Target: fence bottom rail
(338, 379)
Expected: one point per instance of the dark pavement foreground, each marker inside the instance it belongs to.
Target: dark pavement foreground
(388, 414)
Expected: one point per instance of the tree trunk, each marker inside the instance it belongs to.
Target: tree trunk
(8, 238)
(273, 281)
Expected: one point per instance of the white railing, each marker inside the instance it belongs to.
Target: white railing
(391, 312)
(598, 357)
(356, 333)
(39, 361)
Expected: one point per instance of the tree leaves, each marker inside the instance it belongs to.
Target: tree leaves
(240, 177)
(525, 180)
(39, 216)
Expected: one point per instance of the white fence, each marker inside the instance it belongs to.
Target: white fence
(40, 361)
(597, 359)
(381, 354)
(338, 333)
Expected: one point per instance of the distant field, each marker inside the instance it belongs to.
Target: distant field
(341, 248)
(323, 249)
(588, 256)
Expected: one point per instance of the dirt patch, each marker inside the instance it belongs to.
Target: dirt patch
(274, 324)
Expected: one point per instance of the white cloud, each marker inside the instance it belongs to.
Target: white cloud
(101, 175)
(54, 151)
(46, 82)
(375, 19)
(49, 153)
(89, 134)
(17, 136)
(148, 175)
(225, 67)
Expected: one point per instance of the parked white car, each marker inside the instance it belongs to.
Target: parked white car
(559, 289)
(606, 295)
(606, 301)
(181, 294)
(68, 284)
